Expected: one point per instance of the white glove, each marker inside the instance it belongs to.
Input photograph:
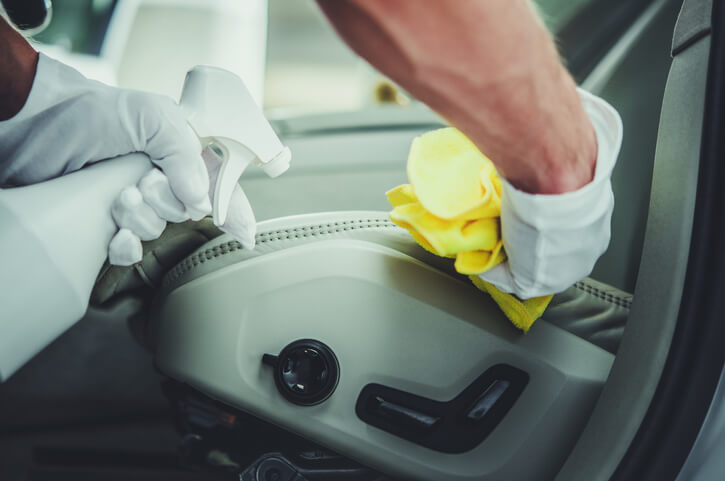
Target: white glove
(141, 212)
(70, 121)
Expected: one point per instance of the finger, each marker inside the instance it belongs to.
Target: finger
(213, 163)
(226, 182)
(131, 212)
(125, 249)
(156, 192)
(173, 147)
(184, 185)
(240, 222)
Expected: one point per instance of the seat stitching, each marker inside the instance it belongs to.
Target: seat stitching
(319, 230)
(328, 229)
(621, 301)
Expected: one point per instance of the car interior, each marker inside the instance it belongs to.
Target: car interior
(159, 381)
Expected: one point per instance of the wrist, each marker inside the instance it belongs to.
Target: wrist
(523, 111)
(562, 153)
(537, 133)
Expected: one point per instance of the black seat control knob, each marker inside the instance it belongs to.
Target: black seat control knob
(306, 372)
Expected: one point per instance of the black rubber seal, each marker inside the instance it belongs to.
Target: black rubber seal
(696, 358)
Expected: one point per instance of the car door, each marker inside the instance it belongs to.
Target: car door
(670, 360)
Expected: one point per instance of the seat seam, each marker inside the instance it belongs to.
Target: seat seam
(187, 265)
(621, 301)
(318, 230)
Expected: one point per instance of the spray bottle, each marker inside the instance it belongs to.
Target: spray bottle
(54, 235)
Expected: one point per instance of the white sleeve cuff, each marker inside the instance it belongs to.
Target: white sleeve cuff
(552, 241)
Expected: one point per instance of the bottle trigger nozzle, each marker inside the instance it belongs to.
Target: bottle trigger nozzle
(223, 114)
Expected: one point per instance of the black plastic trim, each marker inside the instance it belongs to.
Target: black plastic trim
(441, 426)
(696, 358)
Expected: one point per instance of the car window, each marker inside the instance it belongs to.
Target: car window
(78, 25)
(557, 13)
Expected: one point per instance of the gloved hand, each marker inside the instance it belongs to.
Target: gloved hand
(141, 212)
(81, 121)
(69, 121)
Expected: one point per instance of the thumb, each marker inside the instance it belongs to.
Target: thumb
(240, 222)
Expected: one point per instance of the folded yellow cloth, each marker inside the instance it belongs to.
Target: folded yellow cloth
(452, 208)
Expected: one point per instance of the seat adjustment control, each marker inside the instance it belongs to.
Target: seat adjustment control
(486, 401)
(402, 415)
(453, 426)
(306, 371)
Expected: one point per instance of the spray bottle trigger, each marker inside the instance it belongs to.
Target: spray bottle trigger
(236, 158)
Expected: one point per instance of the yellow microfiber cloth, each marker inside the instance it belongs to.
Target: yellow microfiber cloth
(452, 208)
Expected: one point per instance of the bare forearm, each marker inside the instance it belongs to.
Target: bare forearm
(489, 67)
(18, 61)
